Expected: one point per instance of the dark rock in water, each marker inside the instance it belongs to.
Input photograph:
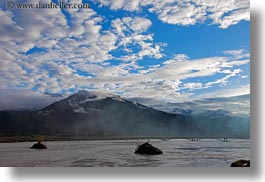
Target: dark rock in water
(38, 146)
(241, 163)
(147, 148)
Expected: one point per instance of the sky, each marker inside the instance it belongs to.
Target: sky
(169, 51)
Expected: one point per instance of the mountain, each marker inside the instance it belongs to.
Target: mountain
(223, 116)
(216, 122)
(103, 114)
(53, 94)
(91, 113)
(236, 105)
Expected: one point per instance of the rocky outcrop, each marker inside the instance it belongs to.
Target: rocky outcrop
(147, 148)
(38, 145)
(241, 163)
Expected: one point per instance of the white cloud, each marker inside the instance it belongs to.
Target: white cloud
(228, 92)
(192, 85)
(189, 12)
(224, 80)
(237, 54)
(166, 81)
(69, 45)
(244, 76)
(234, 17)
(121, 4)
(132, 32)
(237, 63)
(178, 12)
(75, 51)
(137, 24)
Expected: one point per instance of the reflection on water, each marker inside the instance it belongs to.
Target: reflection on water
(120, 153)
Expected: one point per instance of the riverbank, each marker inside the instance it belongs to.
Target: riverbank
(14, 139)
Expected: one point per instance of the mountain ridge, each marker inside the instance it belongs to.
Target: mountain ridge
(97, 114)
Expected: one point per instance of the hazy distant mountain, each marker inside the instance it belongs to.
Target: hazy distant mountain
(101, 114)
(236, 105)
(232, 114)
(212, 116)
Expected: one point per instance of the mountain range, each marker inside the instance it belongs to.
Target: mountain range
(99, 114)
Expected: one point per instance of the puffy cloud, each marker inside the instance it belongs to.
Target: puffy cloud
(178, 12)
(137, 24)
(121, 4)
(49, 49)
(59, 51)
(189, 12)
(131, 32)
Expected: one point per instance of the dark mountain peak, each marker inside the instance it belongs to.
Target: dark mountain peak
(83, 102)
(84, 94)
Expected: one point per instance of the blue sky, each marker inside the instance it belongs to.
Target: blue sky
(168, 51)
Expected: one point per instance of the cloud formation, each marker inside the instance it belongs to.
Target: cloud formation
(42, 49)
(189, 12)
(166, 81)
(50, 50)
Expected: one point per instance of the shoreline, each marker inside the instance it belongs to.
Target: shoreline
(17, 139)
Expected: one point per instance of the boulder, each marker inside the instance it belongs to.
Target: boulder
(241, 163)
(147, 148)
(38, 146)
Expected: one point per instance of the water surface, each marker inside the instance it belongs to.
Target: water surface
(120, 153)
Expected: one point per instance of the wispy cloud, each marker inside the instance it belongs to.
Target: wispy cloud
(228, 92)
(166, 81)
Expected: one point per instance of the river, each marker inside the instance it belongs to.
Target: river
(120, 153)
